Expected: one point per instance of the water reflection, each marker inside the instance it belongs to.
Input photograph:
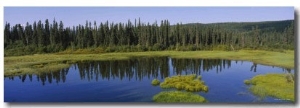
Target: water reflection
(58, 76)
(131, 69)
(253, 67)
(196, 66)
(135, 69)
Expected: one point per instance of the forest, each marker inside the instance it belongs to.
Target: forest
(44, 37)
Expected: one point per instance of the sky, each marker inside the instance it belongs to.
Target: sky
(73, 16)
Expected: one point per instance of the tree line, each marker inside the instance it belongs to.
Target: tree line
(43, 37)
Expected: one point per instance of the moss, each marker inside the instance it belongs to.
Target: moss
(178, 96)
(184, 82)
(274, 85)
(155, 82)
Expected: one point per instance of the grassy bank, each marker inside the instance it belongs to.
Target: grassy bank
(50, 62)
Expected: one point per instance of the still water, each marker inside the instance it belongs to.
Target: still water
(130, 81)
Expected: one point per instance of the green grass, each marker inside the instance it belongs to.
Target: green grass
(178, 96)
(274, 85)
(34, 69)
(16, 65)
(155, 82)
(184, 82)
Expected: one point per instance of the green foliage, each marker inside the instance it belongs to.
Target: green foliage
(155, 82)
(97, 50)
(110, 49)
(157, 47)
(275, 85)
(184, 82)
(117, 37)
(178, 96)
(266, 26)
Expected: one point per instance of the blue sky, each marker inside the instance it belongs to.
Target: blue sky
(78, 15)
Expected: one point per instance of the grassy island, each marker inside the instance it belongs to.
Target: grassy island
(185, 82)
(178, 96)
(275, 85)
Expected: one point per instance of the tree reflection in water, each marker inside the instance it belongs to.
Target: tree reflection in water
(134, 69)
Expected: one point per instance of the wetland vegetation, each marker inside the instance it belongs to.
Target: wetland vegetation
(155, 82)
(281, 86)
(185, 82)
(178, 96)
(189, 83)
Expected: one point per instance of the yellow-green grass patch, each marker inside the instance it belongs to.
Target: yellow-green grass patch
(184, 82)
(275, 85)
(155, 82)
(178, 97)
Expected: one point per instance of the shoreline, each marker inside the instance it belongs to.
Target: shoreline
(34, 64)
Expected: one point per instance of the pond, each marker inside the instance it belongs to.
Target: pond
(130, 81)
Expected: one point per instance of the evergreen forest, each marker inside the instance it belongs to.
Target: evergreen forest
(132, 36)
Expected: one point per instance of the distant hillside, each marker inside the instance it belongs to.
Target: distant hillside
(265, 26)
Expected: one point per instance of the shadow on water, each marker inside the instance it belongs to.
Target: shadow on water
(136, 69)
(58, 76)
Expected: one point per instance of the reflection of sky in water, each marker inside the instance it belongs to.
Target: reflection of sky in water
(225, 85)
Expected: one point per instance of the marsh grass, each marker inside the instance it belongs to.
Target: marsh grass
(184, 82)
(34, 69)
(155, 82)
(178, 96)
(23, 64)
(32, 64)
(274, 85)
